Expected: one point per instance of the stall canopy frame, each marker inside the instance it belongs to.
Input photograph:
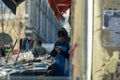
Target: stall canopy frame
(59, 7)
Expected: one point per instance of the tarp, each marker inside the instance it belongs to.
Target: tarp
(59, 6)
(12, 4)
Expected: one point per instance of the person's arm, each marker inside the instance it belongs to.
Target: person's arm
(64, 51)
(53, 53)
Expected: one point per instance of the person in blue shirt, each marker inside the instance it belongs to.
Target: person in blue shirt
(60, 52)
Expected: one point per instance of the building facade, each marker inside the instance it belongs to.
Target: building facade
(41, 20)
(11, 29)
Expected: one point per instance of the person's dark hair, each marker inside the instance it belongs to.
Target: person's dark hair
(39, 42)
(62, 33)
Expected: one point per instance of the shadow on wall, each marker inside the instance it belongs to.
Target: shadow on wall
(6, 38)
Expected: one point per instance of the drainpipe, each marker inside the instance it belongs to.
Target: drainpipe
(84, 25)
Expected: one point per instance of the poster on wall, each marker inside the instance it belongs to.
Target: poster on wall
(111, 28)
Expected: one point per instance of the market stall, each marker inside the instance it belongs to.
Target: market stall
(26, 65)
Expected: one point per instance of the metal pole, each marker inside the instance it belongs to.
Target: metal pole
(89, 45)
(2, 24)
(84, 25)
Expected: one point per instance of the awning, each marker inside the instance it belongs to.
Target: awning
(59, 7)
(12, 4)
